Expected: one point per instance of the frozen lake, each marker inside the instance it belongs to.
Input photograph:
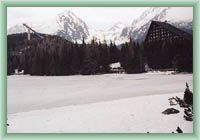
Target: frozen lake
(27, 93)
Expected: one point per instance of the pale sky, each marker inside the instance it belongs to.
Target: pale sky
(95, 17)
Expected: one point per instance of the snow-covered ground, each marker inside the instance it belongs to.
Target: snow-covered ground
(98, 103)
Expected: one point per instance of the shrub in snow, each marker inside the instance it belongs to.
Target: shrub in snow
(188, 96)
(188, 114)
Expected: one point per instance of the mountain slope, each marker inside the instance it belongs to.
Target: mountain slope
(138, 29)
(112, 34)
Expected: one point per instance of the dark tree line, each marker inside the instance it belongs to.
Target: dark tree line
(176, 54)
(54, 55)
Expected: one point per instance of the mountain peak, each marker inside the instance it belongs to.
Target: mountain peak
(150, 14)
(66, 13)
(71, 26)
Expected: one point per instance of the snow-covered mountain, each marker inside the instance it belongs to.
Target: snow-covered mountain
(138, 29)
(112, 34)
(73, 28)
(65, 24)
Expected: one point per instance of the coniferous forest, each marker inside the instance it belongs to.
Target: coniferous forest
(53, 55)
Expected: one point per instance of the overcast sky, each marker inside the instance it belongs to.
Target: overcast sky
(95, 17)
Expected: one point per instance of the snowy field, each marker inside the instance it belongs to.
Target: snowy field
(109, 103)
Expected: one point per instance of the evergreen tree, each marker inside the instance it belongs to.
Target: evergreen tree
(90, 64)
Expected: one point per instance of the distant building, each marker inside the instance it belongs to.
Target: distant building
(168, 47)
(160, 31)
(116, 68)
